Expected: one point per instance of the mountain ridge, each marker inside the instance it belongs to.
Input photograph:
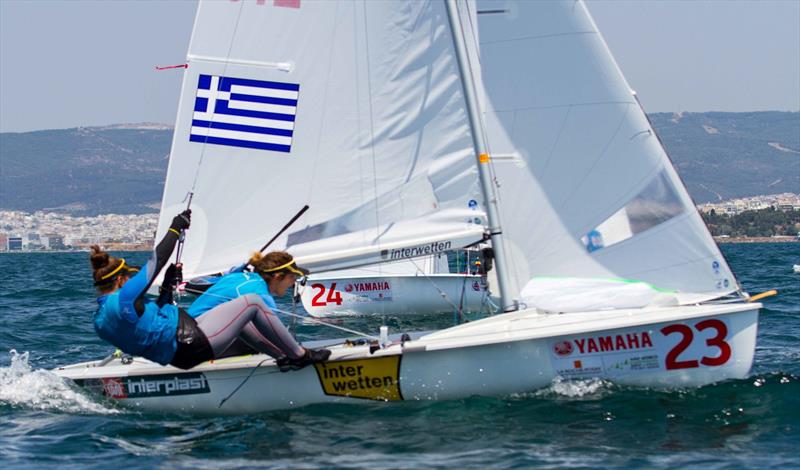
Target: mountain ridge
(120, 168)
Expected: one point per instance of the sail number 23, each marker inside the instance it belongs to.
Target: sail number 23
(333, 297)
(687, 336)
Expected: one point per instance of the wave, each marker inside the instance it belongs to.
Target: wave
(23, 387)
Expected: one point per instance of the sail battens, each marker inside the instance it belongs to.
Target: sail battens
(538, 37)
(285, 66)
(571, 104)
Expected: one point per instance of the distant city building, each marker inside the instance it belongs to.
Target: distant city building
(53, 241)
(14, 243)
(3, 242)
(781, 202)
(58, 231)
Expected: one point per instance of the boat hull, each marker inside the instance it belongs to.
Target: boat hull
(697, 346)
(396, 294)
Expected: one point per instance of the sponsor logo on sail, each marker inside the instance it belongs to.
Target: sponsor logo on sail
(372, 379)
(414, 251)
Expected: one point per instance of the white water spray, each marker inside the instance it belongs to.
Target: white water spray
(21, 386)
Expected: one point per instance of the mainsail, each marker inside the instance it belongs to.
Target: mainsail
(354, 108)
(587, 189)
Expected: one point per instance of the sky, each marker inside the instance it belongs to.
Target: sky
(69, 63)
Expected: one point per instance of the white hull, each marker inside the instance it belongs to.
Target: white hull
(511, 353)
(396, 294)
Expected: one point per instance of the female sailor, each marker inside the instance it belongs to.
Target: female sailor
(160, 331)
(274, 273)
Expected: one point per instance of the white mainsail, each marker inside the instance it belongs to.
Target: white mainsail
(354, 108)
(586, 188)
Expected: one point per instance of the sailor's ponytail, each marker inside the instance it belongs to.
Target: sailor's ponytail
(105, 268)
(98, 258)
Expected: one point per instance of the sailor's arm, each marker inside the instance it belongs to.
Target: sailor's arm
(134, 290)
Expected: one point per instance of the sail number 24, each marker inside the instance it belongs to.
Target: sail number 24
(687, 336)
(333, 297)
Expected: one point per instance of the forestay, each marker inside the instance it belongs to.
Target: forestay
(354, 108)
(587, 190)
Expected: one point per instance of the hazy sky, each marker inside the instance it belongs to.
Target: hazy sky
(81, 63)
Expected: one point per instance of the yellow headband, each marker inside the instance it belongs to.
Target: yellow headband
(285, 266)
(114, 271)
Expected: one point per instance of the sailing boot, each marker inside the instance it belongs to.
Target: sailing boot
(312, 356)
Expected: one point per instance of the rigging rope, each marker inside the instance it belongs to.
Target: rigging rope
(294, 315)
(441, 292)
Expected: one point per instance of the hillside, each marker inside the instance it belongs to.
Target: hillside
(85, 171)
(727, 155)
(121, 169)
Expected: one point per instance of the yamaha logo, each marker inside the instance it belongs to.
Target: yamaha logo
(563, 348)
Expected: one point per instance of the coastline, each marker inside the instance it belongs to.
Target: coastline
(756, 239)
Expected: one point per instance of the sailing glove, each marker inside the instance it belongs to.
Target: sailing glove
(172, 277)
(182, 220)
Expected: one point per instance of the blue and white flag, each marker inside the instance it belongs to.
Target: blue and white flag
(241, 112)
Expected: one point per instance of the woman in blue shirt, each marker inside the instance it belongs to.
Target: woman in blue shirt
(273, 275)
(160, 331)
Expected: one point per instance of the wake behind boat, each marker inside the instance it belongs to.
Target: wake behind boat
(525, 136)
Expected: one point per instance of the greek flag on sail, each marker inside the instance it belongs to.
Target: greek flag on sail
(241, 112)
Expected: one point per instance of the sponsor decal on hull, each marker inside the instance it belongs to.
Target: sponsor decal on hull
(149, 386)
(372, 379)
(325, 294)
(604, 355)
(376, 291)
(693, 344)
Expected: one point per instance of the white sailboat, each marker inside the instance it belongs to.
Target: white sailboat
(588, 198)
(410, 286)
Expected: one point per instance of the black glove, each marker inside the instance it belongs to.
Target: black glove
(182, 220)
(172, 276)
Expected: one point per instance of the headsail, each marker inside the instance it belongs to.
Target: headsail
(587, 189)
(353, 108)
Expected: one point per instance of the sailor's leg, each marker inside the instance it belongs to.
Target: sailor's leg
(224, 323)
(267, 327)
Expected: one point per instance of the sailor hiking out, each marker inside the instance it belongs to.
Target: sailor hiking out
(162, 332)
(274, 273)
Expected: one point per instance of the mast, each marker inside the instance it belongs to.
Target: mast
(507, 302)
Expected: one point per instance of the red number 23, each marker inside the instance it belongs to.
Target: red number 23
(687, 335)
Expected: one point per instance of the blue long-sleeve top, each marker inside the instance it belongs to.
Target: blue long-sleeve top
(135, 324)
(229, 287)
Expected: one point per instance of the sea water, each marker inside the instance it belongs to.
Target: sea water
(46, 303)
